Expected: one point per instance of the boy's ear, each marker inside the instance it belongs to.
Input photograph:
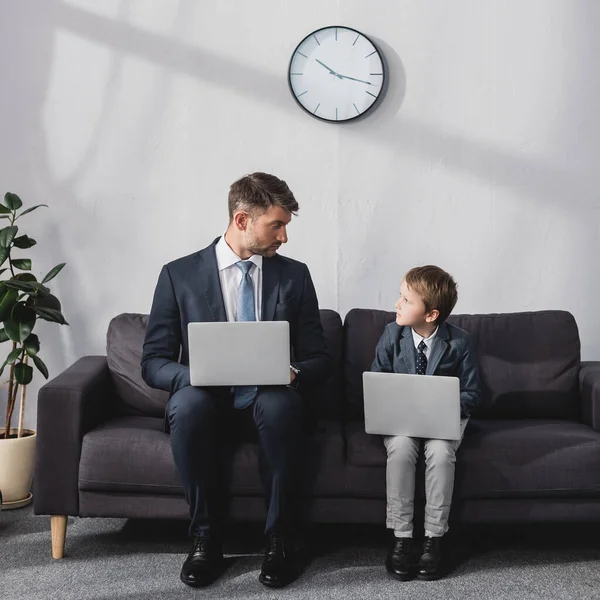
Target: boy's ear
(432, 316)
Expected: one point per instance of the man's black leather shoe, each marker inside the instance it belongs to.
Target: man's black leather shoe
(204, 563)
(399, 562)
(279, 565)
(430, 561)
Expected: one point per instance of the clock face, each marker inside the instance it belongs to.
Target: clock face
(336, 74)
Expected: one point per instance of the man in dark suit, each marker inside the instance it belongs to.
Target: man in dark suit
(239, 276)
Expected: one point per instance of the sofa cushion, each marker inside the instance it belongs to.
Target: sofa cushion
(529, 362)
(497, 459)
(125, 340)
(133, 455)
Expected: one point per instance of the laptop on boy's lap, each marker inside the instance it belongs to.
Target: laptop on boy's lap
(424, 406)
(239, 353)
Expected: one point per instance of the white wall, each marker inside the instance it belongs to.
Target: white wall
(131, 119)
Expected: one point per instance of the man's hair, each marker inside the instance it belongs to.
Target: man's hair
(436, 288)
(257, 192)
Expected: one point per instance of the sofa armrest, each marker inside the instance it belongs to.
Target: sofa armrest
(69, 405)
(589, 385)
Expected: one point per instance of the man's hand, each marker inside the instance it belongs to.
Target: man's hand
(292, 376)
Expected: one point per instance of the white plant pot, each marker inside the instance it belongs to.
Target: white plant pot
(17, 457)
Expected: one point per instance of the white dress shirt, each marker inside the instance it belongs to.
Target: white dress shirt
(230, 277)
(417, 339)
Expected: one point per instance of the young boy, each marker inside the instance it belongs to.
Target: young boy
(421, 342)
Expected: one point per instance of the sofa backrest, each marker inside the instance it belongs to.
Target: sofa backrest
(529, 362)
(124, 342)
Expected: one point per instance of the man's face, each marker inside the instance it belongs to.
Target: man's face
(410, 308)
(264, 234)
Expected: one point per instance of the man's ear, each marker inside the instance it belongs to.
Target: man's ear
(432, 316)
(241, 219)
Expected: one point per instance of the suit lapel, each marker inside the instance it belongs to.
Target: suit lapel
(270, 287)
(440, 345)
(208, 277)
(407, 346)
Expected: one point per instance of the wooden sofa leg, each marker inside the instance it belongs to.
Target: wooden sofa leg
(58, 526)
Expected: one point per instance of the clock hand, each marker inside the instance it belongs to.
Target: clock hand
(353, 79)
(331, 71)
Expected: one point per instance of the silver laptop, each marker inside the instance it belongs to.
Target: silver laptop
(425, 406)
(239, 353)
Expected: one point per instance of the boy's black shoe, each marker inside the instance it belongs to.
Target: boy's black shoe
(399, 562)
(279, 566)
(430, 561)
(204, 562)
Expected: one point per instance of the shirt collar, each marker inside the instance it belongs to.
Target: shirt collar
(226, 257)
(417, 339)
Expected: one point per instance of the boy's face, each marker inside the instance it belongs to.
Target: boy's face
(410, 309)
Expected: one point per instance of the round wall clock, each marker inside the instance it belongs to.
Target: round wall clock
(336, 74)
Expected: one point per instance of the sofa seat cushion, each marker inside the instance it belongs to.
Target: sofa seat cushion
(497, 459)
(133, 455)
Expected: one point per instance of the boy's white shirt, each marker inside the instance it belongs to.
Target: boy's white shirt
(417, 339)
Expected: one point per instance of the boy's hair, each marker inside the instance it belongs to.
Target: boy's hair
(257, 192)
(436, 287)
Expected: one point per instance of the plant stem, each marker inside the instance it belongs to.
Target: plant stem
(11, 381)
(22, 404)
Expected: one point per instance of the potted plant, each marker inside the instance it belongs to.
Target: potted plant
(23, 300)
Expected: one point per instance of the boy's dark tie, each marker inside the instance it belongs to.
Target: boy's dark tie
(421, 358)
(243, 395)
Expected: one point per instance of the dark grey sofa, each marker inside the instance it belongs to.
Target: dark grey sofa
(531, 453)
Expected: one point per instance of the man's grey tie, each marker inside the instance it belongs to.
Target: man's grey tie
(243, 395)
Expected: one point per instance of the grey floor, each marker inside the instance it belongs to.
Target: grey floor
(116, 558)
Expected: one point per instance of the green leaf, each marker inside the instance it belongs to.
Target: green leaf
(8, 298)
(52, 273)
(21, 321)
(23, 373)
(24, 242)
(3, 336)
(22, 263)
(12, 356)
(50, 314)
(12, 201)
(30, 209)
(25, 277)
(4, 210)
(32, 345)
(39, 363)
(29, 287)
(49, 301)
(7, 235)
(3, 254)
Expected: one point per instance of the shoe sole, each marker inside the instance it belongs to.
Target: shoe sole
(273, 585)
(432, 577)
(400, 577)
(197, 584)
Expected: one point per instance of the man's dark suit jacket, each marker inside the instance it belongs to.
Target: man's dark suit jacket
(189, 290)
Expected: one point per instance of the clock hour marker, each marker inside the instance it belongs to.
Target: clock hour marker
(336, 114)
(300, 53)
(374, 96)
(358, 111)
(367, 56)
(336, 34)
(316, 109)
(375, 73)
(316, 39)
(356, 40)
(296, 73)
(304, 92)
